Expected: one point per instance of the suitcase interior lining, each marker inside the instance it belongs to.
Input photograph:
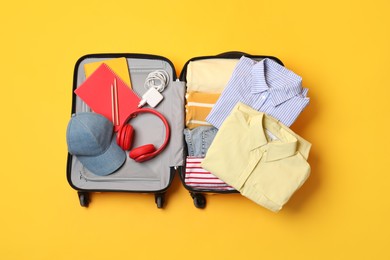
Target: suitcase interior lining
(154, 174)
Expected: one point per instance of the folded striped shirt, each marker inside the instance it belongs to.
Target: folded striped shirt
(198, 107)
(264, 85)
(198, 178)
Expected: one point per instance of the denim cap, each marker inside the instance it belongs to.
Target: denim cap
(90, 138)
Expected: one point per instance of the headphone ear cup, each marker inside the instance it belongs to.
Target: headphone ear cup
(142, 151)
(118, 136)
(124, 137)
(128, 137)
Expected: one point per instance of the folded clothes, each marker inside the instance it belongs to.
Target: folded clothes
(199, 139)
(209, 75)
(265, 86)
(258, 156)
(198, 178)
(198, 107)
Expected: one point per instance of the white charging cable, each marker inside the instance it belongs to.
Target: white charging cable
(158, 79)
(155, 83)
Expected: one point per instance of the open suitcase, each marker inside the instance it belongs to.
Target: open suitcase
(154, 176)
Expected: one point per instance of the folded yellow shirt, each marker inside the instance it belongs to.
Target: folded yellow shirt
(198, 108)
(209, 75)
(259, 156)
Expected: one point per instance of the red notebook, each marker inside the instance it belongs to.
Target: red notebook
(97, 92)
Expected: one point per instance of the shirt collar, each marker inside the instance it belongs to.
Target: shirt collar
(286, 146)
(281, 83)
(257, 122)
(255, 125)
(280, 150)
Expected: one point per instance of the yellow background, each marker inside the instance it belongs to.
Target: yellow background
(340, 48)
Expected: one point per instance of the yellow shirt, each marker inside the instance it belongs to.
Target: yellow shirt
(209, 75)
(259, 156)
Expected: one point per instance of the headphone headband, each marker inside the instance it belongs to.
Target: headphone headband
(167, 131)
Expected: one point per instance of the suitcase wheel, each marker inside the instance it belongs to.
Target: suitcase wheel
(159, 198)
(199, 200)
(83, 198)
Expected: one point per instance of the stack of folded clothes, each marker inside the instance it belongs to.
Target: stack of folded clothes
(238, 114)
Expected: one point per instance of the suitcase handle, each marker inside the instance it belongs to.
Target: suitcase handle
(233, 54)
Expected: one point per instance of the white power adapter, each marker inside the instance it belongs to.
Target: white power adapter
(155, 82)
(152, 97)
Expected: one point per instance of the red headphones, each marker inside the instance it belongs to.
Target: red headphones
(125, 135)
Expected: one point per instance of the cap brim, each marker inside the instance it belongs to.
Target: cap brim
(108, 162)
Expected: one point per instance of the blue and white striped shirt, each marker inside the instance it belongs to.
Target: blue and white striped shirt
(265, 86)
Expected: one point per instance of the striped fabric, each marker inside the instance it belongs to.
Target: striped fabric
(198, 178)
(198, 107)
(265, 86)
